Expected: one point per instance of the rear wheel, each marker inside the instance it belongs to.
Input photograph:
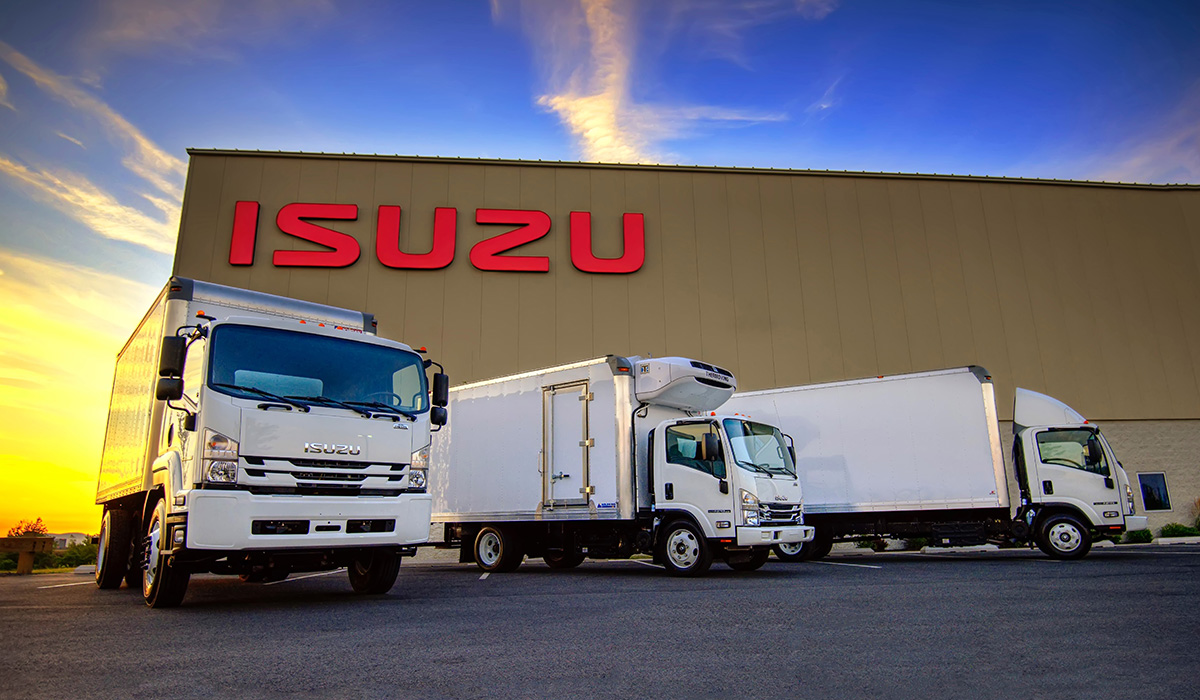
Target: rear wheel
(112, 551)
(163, 583)
(567, 558)
(1064, 537)
(683, 550)
(498, 550)
(792, 551)
(373, 573)
(758, 557)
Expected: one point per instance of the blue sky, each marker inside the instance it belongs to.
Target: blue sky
(99, 100)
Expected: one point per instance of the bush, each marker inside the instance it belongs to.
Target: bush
(1139, 537)
(1178, 530)
(916, 543)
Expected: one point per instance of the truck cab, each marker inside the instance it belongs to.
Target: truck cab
(1072, 487)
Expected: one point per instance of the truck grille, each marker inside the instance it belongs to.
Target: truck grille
(780, 514)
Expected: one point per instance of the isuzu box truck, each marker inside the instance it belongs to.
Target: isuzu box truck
(257, 435)
(609, 458)
(918, 455)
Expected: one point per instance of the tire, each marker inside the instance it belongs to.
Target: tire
(798, 551)
(163, 585)
(683, 551)
(568, 558)
(112, 552)
(1064, 537)
(758, 557)
(497, 550)
(373, 573)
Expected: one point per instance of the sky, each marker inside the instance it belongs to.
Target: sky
(100, 100)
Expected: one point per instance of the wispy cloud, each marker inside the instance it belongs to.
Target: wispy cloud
(72, 139)
(4, 94)
(828, 101)
(586, 49)
(1169, 152)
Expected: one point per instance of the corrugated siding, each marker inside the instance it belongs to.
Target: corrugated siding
(1091, 294)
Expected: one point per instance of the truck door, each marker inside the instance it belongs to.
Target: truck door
(687, 481)
(1070, 465)
(565, 445)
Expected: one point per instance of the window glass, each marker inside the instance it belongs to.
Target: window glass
(758, 448)
(1154, 491)
(193, 371)
(685, 446)
(1075, 448)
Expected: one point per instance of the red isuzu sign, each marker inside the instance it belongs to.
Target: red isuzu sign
(343, 249)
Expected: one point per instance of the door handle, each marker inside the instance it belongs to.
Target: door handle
(560, 475)
(669, 490)
(1108, 483)
(1048, 487)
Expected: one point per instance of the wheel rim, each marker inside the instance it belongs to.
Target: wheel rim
(683, 548)
(791, 548)
(1065, 537)
(100, 542)
(489, 549)
(152, 553)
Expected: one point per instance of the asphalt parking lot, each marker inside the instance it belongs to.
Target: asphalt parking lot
(1124, 622)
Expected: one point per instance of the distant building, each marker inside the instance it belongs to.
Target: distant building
(67, 539)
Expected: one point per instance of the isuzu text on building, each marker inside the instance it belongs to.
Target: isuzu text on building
(343, 249)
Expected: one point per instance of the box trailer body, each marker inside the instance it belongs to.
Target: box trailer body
(607, 458)
(919, 455)
(257, 435)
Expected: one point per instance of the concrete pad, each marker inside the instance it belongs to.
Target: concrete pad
(1176, 540)
(960, 550)
(88, 569)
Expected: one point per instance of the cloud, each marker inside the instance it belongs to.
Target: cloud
(72, 139)
(1168, 152)
(719, 27)
(585, 49)
(76, 196)
(4, 94)
(827, 102)
(144, 158)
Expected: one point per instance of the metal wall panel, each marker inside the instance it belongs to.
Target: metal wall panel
(1086, 292)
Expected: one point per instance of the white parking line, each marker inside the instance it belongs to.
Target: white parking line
(61, 585)
(485, 575)
(297, 578)
(839, 563)
(646, 563)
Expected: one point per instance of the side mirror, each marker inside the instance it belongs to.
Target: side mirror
(712, 447)
(441, 389)
(438, 415)
(169, 389)
(170, 359)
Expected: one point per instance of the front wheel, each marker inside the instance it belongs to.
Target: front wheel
(373, 573)
(792, 551)
(683, 550)
(112, 551)
(1064, 537)
(497, 550)
(163, 583)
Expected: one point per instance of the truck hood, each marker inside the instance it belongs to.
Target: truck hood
(1031, 408)
(777, 490)
(324, 433)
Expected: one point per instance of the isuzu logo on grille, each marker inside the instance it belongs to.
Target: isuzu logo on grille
(328, 449)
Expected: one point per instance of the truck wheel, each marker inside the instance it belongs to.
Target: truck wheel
(1064, 537)
(568, 558)
(497, 550)
(112, 551)
(683, 550)
(758, 557)
(373, 573)
(163, 585)
(792, 551)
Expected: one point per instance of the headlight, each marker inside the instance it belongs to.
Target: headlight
(749, 508)
(220, 458)
(1128, 499)
(420, 458)
(749, 500)
(416, 479)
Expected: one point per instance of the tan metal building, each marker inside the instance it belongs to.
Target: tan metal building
(1089, 292)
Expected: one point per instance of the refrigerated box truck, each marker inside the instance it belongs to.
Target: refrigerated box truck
(256, 435)
(919, 455)
(609, 458)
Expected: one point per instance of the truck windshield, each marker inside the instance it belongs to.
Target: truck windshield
(758, 447)
(253, 362)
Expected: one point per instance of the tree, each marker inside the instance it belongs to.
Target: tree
(26, 528)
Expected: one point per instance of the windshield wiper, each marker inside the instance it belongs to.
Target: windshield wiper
(755, 467)
(265, 394)
(376, 404)
(325, 400)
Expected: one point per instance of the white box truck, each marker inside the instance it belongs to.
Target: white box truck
(918, 455)
(256, 435)
(609, 458)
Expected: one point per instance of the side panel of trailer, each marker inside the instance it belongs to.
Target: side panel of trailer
(538, 446)
(921, 441)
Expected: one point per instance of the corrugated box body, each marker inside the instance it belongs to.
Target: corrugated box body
(532, 446)
(920, 441)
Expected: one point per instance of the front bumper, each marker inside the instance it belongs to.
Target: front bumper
(1133, 523)
(225, 520)
(784, 534)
